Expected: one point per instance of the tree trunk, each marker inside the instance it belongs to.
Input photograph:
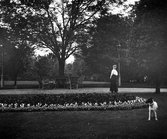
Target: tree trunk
(157, 82)
(157, 88)
(15, 82)
(61, 66)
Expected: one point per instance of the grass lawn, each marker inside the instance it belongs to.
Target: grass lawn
(124, 124)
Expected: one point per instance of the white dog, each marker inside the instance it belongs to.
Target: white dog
(153, 107)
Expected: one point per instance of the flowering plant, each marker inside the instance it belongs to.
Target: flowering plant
(57, 102)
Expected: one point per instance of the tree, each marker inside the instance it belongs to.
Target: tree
(53, 24)
(16, 53)
(2, 53)
(78, 66)
(15, 40)
(18, 61)
(108, 38)
(45, 67)
(148, 39)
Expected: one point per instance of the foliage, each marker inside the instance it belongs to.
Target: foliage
(94, 101)
(15, 42)
(68, 69)
(56, 25)
(15, 59)
(148, 39)
(109, 39)
(45, 67)
(78, 66)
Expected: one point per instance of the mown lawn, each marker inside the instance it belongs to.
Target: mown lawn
(124, 124)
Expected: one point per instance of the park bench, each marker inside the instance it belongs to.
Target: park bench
(69, 82)
(62, 82)
(48, 84)
(75, 81)
(80, 80)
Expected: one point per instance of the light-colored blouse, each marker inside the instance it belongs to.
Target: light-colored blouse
(113, 72)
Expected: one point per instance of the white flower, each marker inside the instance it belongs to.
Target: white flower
(45, 105)
(104, 103)
(39, 104)
(15, 105)
(115, 103)
(76, 104)
(120, 102)
(71, 104)
(67, 104)
(1, 104)
(22, 105)
(90, 104)
(101, 104)
(51, 105)
(96, 104)
(5, 105)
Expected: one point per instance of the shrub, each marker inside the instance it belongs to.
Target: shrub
(84, 101)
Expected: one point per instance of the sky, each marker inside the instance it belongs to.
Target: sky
(120, 8)
(71, 59)
(45, 51)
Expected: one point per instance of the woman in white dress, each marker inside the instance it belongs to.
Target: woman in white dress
(113, 80)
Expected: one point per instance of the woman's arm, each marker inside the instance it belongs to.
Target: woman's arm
(111, 74)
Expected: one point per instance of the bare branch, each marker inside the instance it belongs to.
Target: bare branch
(53, 31)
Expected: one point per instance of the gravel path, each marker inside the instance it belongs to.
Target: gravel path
(80, 90)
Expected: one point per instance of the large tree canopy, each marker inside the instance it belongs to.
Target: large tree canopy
(148, 41)
(53, 24)
(109, 38)
(14, 54)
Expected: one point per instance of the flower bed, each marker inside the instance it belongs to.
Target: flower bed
(59, 102)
